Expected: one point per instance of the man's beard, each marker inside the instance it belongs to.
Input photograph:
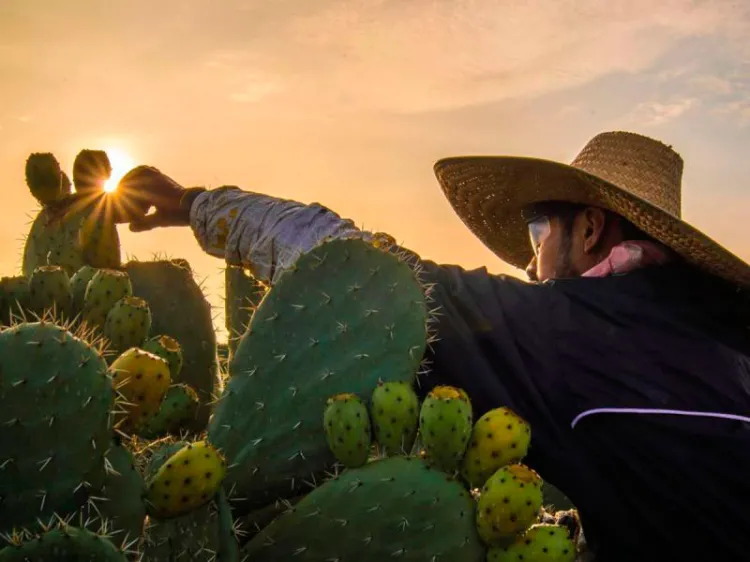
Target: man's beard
(564, 268)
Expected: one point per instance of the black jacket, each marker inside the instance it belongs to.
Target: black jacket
(648, 485)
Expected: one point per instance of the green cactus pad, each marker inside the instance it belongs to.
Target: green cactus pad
(121, 503)
(68, 544)
(91, 170)
(343, 317)
(55, 403)
(46, 181)
(509, 503)
(180, 405)
(541, 543)
(49, 290)
(392, 508)
(53, 243)
(15, 299)
(394, 408)
(106, 287)
(99, 240)
(128, 323)
(78, 284)
(445, 422)
(347, 426)
(244, 293)
(179, 308)
(167, 348)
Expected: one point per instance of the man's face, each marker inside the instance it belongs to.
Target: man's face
(552, 244)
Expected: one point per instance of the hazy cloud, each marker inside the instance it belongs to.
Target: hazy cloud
(653, 113)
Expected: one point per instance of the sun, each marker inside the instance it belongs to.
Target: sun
(121, 163)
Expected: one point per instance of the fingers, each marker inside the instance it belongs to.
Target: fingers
(147, 222)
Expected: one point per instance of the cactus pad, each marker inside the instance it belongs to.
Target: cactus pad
(509, 503)
(128, 323)
(78, 284)
(46, 181)
(394, 407)
(91, 170)
(167, 348)
(143, 379)
(64, 545)
(347, 425)
(391, 508)
(344, 316)
(55, 403)
(14, 297)
(186, 481)
(99, 240)
(499, 437)
(445, 422)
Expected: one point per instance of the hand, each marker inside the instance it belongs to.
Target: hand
(145, 187)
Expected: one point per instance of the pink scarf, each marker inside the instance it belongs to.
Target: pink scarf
(629, 256)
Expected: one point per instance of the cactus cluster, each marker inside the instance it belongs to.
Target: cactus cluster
(320, 444)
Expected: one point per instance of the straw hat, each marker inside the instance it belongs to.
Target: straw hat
(632, 175)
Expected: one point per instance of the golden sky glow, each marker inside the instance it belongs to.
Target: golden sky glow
(350, 103)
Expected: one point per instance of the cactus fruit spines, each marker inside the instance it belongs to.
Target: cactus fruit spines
(394, 407)
(55, 422)
(499, 437)
(445, 422)
(347, 427)
(143, 379)
(64, 544)
(14, 298)
(542, 542)
(106, 287)
(49, 289)
(91, 170)
(168, 348)
(392, 508)
(128, 323)
(187, 480)
(342, 317)
(509, 503)
(179, 405)
(46, 181)
(78, 284)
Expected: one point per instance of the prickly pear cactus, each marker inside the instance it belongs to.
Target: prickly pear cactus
(179, 406)
(187, 480)
(391, 508)
(343, 317)
(78, 284)
(348, 431)
(120, 500)
(63, 544)
(49, 290)
(143, 379)
(15, 299)
(540, 543)
(46, 181)
(106, 287)
(55, 401)
(168, 348)
(445, 422)
(499, 437)
(509, 503)
(53, 243)
(128, 323)
(394, 409)
(243, 293)
(180, 309)
(99, 240)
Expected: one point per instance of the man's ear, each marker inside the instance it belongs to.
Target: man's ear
(594, 221)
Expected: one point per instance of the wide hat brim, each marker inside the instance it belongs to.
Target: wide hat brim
(489, 194)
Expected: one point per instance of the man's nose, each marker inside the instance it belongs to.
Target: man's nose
(531, 270)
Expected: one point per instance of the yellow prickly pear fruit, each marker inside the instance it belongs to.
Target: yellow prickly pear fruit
(509, 503)
(143, 379)
(445, 422)
(347, 426)
(186, 481)
(541, 543)
(499, 437)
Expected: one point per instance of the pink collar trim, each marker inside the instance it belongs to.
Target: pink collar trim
(629, 256)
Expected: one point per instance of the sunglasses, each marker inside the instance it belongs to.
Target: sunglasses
(539, 229)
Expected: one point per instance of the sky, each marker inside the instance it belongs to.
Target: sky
(349, 104)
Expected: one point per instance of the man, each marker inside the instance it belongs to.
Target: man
(628, 353)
